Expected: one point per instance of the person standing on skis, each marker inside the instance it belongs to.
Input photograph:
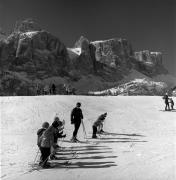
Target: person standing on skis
(172, 103)
(76, 118)
(58, 134)
(166, 99)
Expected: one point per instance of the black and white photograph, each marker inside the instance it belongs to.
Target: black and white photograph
(88, 89)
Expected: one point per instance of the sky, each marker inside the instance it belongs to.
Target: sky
(146, 24)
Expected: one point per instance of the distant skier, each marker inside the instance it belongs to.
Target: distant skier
(76, 118)
(47, 142)
(166, 98)
(172, 103)
(53, 87)
(98, 125)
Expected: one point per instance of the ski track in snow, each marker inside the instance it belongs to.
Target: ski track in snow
(141, 146)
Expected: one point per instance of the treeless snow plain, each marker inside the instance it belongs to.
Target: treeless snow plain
(142, 146)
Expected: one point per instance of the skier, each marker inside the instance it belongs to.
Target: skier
(76, 118)
(98, 125)
(172, 103)
(58, 134)
(53, 87)
(166, 98)
(45, 125)
(47, 142)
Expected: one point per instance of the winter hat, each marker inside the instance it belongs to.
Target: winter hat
(45, 125)
(78, 104)
(105, 114)
(56, 122)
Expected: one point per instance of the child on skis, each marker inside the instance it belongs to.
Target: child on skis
(45, 125)
(172, 103)
(47, 142)
(98, 125)
(58, 134)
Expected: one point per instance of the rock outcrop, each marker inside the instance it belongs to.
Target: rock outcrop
(150, 63)
(26, 25)
(33, 50)
(113, 52)
(31, 55)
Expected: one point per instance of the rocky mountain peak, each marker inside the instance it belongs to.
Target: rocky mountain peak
(26, 25)
(82, 43)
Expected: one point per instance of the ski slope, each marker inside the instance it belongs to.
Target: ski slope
(143, 146)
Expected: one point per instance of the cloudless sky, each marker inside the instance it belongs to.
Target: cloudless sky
(147, 24)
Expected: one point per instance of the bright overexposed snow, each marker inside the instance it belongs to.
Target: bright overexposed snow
(75, 50)
(29, 34)
(143, 146)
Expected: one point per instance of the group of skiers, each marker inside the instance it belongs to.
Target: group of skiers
(48, 135)
(168, 101)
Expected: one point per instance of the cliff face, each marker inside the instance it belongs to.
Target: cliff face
(32, 54)
(115, 55)
(113, 52)
(151, 58)
(31, 50)
(150, 63)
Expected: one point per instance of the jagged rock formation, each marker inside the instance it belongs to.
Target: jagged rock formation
(33, 50)
(113, 52)
(150, 63)
(136, 87)
(31, 56)
(26, 25)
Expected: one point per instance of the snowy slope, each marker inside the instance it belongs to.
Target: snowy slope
(142, 149)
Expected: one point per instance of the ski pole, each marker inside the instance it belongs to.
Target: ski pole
(36, 156)
(84, 130)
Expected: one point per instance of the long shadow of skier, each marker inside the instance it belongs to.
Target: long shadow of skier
(76, 165)
(174, 110)
(77, 156)
(122, 134)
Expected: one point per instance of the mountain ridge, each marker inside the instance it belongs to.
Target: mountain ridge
(37, 55)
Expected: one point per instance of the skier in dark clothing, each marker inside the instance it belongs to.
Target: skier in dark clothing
(47, 142)
(166, 98)
(98, 125)
(172, 103)
(45, 125)
(76, 118)
(53, 89)
(58, 134)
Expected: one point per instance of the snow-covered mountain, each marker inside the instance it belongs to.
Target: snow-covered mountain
(31, 57)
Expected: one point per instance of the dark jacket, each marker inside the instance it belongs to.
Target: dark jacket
(76, 115)
(99, 121)
(47, 138)
(166, 98)
(39, 134)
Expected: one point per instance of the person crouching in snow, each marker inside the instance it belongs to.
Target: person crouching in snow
(45, 125)
(47, 142)
(98, 125)
(58, 134)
